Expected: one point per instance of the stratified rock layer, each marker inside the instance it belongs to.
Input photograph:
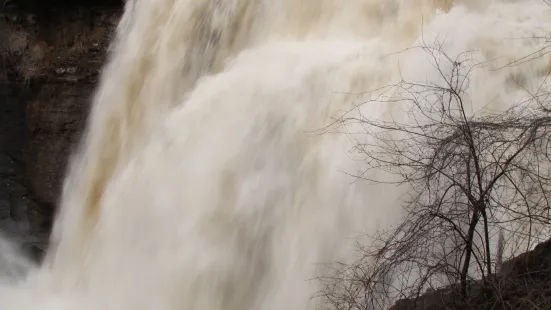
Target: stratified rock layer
(51, 56)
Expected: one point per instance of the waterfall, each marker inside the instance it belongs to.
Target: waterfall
(203, 182)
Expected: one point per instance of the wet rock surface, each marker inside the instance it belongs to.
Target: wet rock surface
(51, 54)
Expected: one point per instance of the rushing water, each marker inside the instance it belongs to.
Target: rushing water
(201, 182)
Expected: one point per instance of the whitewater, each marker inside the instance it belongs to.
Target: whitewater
(203, 181)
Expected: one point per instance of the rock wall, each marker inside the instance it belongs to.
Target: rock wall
(13, 140)
(50, 58)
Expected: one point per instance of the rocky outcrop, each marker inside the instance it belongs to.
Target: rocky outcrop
(524, 282)
(50, 58)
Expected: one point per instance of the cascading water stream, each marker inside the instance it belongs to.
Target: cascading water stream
(201, 183)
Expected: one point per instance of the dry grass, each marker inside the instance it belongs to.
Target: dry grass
(31, 50)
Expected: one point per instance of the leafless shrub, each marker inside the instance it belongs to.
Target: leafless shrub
(472, 176)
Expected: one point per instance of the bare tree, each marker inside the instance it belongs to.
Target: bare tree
(472, 176)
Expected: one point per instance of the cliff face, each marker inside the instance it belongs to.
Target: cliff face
(50, 58)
